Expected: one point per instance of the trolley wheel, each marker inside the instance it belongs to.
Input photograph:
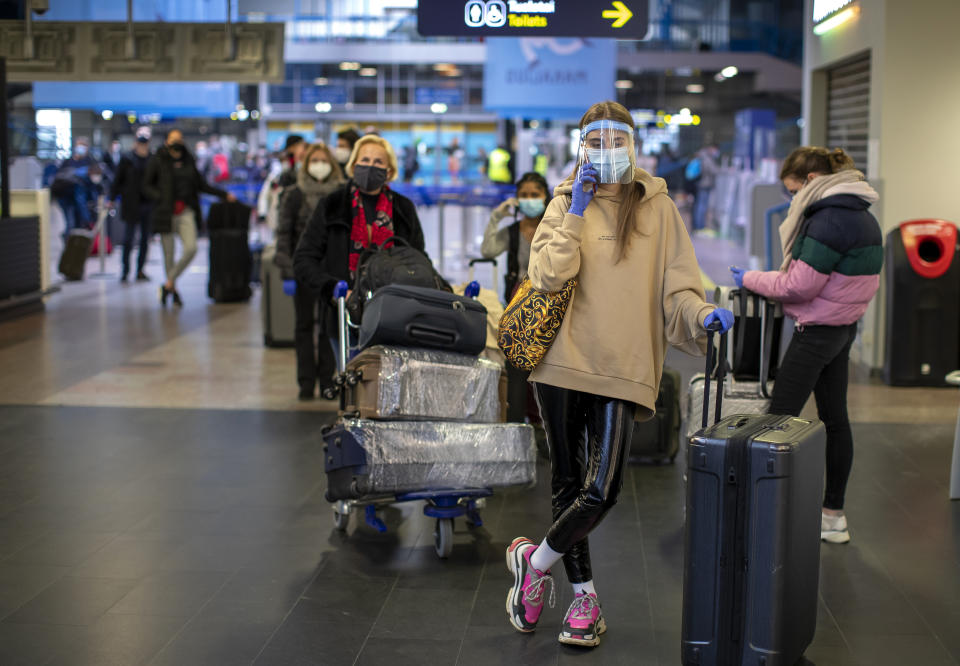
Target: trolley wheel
(443, 537)
(340, 520)
(329, 393)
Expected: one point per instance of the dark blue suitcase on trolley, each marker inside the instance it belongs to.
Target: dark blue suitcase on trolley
(752, 543)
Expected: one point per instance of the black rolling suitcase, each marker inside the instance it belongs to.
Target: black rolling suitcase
(752, 546)
(230, 266)
(658, 439)
(420, 317)
(75, 253)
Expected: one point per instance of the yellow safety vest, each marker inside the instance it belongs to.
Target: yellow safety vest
(497, 170)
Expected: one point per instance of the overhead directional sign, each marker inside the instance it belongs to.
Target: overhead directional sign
(619, 19)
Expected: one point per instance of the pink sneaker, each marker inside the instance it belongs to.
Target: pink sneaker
(525, 598)
(584, 622)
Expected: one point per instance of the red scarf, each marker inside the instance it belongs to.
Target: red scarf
(381, 227)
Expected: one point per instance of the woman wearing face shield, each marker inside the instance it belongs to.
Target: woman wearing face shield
(318, 176)
(359, 214)
(613, 227)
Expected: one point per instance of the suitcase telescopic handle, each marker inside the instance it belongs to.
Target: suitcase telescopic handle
(340, 294)
(712, 330)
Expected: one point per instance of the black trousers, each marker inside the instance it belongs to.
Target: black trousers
(589, 438)
(141, 224)
(315, 359)
(818, 360)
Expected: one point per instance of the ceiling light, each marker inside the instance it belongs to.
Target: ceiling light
(323, 107)
(255, 114)
(729, 72)
(695, 88)
(368, 71)
(349, 66)
(451, 72)
(243, 114)
(623, 84)
(438, 107)
(106, 114)
(320, 81)
(233, 116)
(534, 124)
(718, 77)
(684, 112)
(443, 66)
(836, 21)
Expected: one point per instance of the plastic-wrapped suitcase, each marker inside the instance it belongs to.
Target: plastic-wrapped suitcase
(425, 384)
(230, 266)
(367, 459)
(279, 313)
(423, 317)
(752, 539)
(658, 439)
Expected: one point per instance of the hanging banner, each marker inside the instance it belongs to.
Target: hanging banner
(546, 77)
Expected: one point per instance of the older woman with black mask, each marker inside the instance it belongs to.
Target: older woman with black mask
(362, 213)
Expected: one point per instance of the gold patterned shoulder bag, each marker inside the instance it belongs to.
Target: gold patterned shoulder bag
(531, 322)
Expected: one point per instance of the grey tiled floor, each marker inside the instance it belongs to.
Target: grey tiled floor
(126, 540)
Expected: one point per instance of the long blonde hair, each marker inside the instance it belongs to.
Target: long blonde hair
(632, 193)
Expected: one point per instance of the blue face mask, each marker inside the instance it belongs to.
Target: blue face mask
(611, 164)
(532, 207)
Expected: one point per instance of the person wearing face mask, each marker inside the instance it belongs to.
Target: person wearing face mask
(346, 140)
(525, 212)
(135, 208)
(70, 187)
(319, 176)
(833, 252)
(173, 183)
(361, 213)
(612, 226)
(268, 201)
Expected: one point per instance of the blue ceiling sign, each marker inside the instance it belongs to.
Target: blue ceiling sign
(548, 78)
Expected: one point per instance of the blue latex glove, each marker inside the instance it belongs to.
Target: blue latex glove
(290, 287)
(720, 316)
(737, 276)
(586, 176)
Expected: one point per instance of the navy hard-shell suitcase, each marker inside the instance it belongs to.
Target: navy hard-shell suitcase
(752, 544)
(421, 317)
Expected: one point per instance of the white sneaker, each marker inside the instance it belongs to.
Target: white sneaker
(833, 529)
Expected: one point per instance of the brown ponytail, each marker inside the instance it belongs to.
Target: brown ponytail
(813, 159)
(632, 193)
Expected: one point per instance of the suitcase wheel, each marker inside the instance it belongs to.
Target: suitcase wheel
(341, 517)
(443, 537)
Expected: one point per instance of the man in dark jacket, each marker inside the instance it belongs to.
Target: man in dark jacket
(135, 208)
(173, 182)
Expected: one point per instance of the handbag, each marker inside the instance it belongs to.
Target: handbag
(531, 321)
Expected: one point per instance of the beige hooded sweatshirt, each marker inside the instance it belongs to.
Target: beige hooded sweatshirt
(622, 316)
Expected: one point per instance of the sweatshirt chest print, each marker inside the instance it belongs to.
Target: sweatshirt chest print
(606, 237)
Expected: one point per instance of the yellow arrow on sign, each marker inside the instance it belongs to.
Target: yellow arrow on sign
(622, 14)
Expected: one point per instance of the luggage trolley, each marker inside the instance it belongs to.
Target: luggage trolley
(445, 505)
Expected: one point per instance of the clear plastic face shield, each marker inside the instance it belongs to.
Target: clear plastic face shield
(609, 146)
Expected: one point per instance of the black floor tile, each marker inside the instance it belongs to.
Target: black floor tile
(335, 640)
(70, 600)
(209, 642)
(128, 558)
(409, 652)
(62, 548)
(502, 644)
(32, 644)
(19, 583)
(405, 610)
(178, 595)
(119, 640)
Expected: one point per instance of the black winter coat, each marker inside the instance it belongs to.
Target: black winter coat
(323, 253)
(158, 186)
(128, 185)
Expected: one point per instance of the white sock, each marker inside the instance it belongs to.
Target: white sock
(584, 588)
(544, 557)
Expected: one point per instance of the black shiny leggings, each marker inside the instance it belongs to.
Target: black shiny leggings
(589, 438)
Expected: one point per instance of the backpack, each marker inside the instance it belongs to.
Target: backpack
(399, 264)
(694, 169)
